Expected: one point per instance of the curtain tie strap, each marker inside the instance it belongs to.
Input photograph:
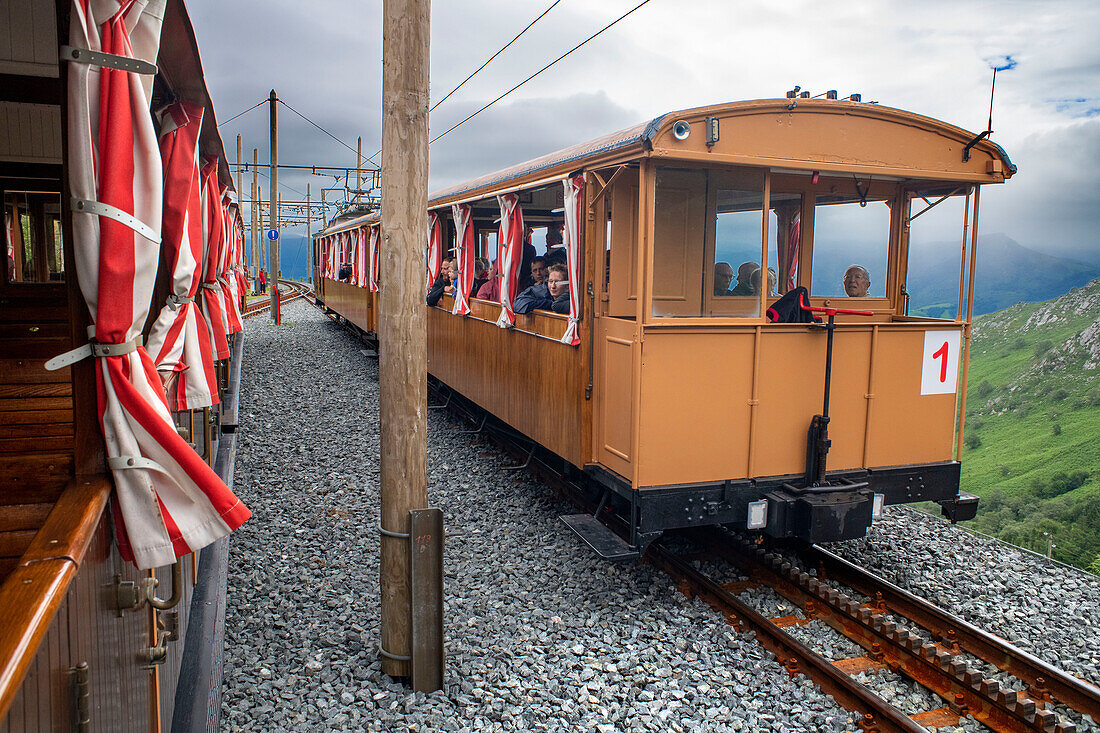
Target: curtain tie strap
(209, 286)
(92, 348)
(124, 463)
(97, 207)
(107, 60)
(175, 301)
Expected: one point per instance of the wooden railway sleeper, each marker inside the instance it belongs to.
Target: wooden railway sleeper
(937, 669)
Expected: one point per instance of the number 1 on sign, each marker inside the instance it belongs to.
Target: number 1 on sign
(942, 354)
(940, 362)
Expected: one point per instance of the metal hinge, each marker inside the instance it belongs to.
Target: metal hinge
(78, 689)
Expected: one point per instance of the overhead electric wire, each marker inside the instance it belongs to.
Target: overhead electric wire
(532, 76)
(262, 101)
(475, 72)
(318, 127)
(498, 53)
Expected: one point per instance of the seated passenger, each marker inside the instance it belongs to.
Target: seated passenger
(442, 283)
(754, 282)
(744, 273)
(345, 272)
(551, 295)
(481, 275)
(538, 271)
(555, 250)
(491, 289)
(723, 276)
(857, 281)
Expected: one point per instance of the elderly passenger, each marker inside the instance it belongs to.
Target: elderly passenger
(857, 281)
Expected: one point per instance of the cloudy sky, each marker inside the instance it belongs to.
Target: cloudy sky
(934, 57)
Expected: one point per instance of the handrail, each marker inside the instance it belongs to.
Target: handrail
(33, 592)
(830, 311)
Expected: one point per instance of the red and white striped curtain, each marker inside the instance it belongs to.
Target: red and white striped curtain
(465, 250)
(239, 268)
(230, 297)
(168, 501)
(179, 339)
(435, 248)
(212, 232)
(330, 247)
(794, 235)
(510, 248)
(574, 201)
(354, 257)
(375, 233)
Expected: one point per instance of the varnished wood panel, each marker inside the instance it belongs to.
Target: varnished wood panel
(23, 444)
(29, 471)
(534, 384)
(56, 389)
(23, 516)
(35, 417)
(353, 303)
(30, 371)
(15, 542)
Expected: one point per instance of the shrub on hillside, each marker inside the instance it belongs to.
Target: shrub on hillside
(1058, 395)
(984, 389)
(1095, 566)
(1018, 344)
(973, 441)
(1042, 347)
(1055, 429)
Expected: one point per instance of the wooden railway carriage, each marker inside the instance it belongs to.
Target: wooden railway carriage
(123, 246)
(678, 396)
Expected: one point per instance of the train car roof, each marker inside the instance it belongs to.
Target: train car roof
(654, 138)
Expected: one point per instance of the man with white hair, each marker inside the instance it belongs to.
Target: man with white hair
(856, 281)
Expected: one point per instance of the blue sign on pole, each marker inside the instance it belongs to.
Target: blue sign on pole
(272, 234)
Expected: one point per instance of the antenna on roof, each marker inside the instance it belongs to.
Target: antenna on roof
(1004, 63)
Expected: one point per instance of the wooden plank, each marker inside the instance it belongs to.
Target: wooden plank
(426, 602)
(31, 472)
(44, 429)
(23, 494)
(68, 529)
(16, 542)
(51, 389)
(38, 348)
(23, 516)
(34, 404)
(29, 600)
(50, 444)
(34, 330)
(32, 417)
(30, 371)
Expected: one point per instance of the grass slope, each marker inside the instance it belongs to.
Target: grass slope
(1032, 447)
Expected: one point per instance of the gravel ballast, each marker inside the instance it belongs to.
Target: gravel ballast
(540, 634)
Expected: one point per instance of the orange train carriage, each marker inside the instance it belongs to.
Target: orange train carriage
(682, 401)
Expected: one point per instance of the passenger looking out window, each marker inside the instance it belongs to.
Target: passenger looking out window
(723, 276)
(551, 295)
(744, 279)
(538, 271)
(856, 281)
(448, 273)
(481, 275)
(490, 289)
(555, 250)
(754, 282)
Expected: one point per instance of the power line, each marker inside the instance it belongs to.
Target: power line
(487, 62)
(532, 76)
(498, 53)
(262, 101)
(321, 128)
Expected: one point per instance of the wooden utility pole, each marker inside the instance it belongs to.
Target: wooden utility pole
(240, 190)
(359, 169)
(272, 212)
(403, 360)
(309, 238)
(260, 215)
(256, 220)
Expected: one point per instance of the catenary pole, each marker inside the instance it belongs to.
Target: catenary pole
(273, 210)
(256, 222)
(403, 359)
(359, 169)
(309, 239)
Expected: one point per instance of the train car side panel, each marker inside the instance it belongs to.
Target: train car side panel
(532, 382)
(614, 395)
(353, 303)
(695, 417)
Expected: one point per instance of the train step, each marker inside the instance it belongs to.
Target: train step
(606, 543)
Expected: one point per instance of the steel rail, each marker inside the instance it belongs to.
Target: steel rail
(298, 290)
(935, 666)
(1041, 677)
(878, 714)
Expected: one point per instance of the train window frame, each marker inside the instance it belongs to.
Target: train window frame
(39, 187)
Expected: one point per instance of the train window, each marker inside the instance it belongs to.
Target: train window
(784, 239)
(935, 249)
(32, 230)
(849, 235)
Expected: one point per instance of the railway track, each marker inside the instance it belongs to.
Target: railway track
(973, 672)
(899, 631)
(289, 289)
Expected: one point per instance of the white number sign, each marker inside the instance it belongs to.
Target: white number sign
(939, 373)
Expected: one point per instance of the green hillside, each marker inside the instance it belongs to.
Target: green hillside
(1032, 446)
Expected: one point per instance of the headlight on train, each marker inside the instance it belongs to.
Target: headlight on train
(681, 130)
(758, 514)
